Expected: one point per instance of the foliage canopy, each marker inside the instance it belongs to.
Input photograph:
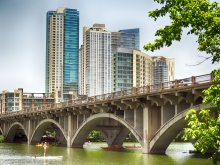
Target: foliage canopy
(204, 128)
(201, 17)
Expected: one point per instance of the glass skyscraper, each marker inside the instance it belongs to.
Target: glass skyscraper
(62, 52)
(96, 57)
(127, 38)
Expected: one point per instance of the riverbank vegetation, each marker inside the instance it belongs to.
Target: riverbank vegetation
(202, 19)
(96, 136)
(2, 138)
(204, 128)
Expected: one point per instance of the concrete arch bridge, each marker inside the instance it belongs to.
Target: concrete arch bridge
(154, 117)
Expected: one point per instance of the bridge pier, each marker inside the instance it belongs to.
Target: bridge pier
(70, 130)
(145, 142)
(30, 128)
(151, 123)
(138, 120)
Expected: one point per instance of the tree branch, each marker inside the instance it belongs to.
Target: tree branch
(200, 62)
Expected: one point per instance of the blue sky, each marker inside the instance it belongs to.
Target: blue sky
(23, 37)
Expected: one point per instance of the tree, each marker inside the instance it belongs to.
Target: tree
(132, 137)
(201, 17)
(203, 128)
(53, 133)
(96, 135)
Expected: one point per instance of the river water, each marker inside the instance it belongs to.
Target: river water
(176, 154)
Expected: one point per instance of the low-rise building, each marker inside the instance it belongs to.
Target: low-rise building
(18, 100)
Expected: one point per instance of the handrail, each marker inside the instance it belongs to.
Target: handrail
(201, 79)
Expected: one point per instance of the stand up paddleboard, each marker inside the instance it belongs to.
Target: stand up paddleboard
(47, 157)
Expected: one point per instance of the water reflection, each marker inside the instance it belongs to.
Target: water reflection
(21, 154)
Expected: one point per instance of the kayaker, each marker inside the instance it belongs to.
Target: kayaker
(45, 148)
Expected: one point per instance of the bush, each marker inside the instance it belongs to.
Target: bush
(132, 137)
(2, 138)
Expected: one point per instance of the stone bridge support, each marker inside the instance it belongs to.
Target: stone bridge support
(151, 123)
(138, 120)
(30, 128)
(70, 130)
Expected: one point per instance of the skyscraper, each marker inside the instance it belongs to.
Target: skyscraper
(95, 56)
(62, 52)
(163, 69)
(127, 38)
(95, 61)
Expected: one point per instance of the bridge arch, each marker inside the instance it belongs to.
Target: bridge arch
(164, 136)
(9, 137)
(42, 127)
(182, 100)
(90, 123)
(1, 131)
(198, 100)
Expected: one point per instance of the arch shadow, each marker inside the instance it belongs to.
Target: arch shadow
(42, 127)
(9, 137)
(90, 123)
(164, 136)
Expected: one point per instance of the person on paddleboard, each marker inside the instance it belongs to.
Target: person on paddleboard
(45, 147)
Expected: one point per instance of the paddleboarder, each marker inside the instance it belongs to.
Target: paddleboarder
(45, 148)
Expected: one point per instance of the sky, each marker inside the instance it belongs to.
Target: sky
(23, 37)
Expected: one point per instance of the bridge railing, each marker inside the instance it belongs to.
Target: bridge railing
(144, 89)
(90, 99)
(127, 92)
(139, 90)
(167, 85)
(117, 94)
(203, 78)
(107, 96)
(99, 97)
(65, 104)
(184, 82)
(84, 100)
(154, 88)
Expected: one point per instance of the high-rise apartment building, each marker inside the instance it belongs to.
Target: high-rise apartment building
(62, 52)
(128, 38)
(130, 68)
(95, 56)
(95, 61)
(163, 69)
